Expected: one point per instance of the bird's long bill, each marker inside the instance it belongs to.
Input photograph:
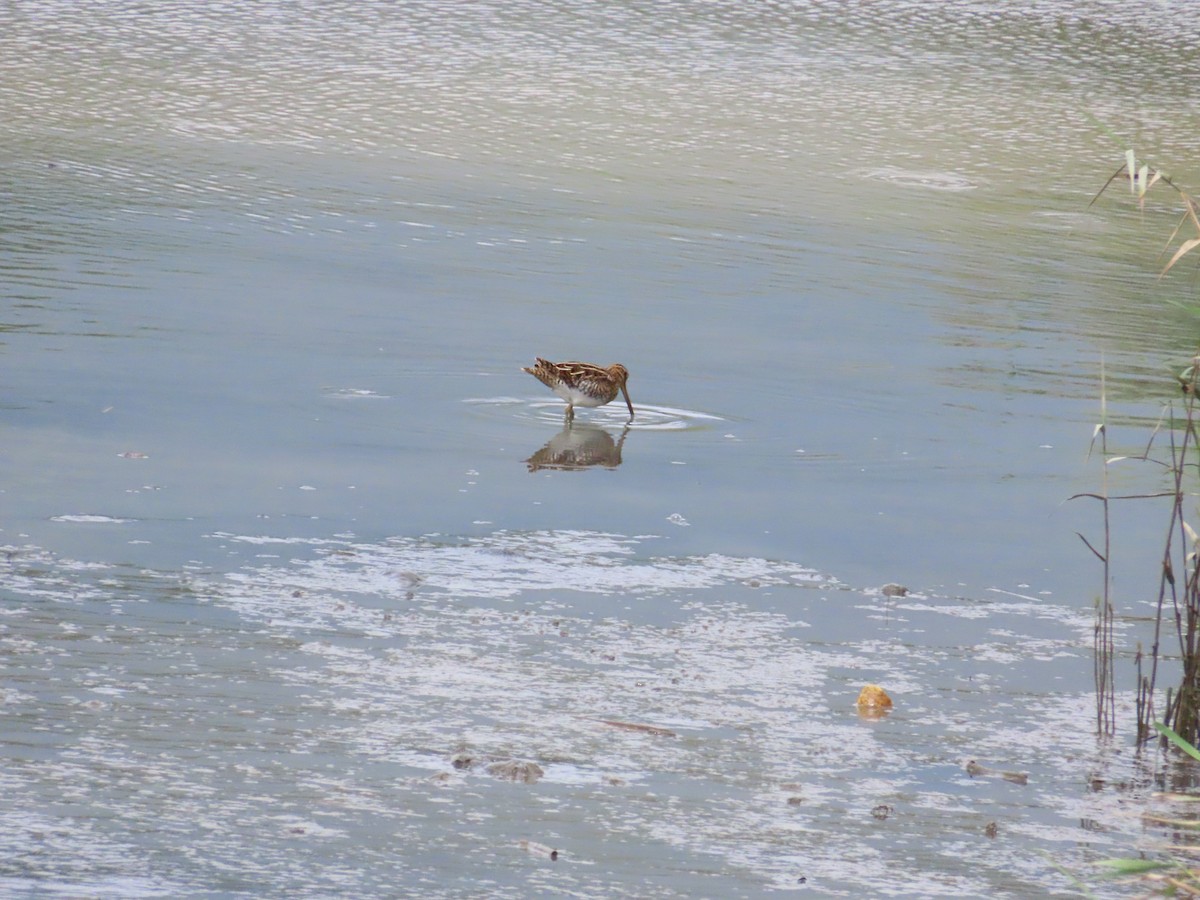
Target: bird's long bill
(628, 402)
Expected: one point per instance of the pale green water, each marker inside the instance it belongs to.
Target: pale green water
(275, 551)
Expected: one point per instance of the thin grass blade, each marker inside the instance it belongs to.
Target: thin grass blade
(1184, 248)
(1179, 742)
(1131, 866)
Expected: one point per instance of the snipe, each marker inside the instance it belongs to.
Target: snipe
(583, 384)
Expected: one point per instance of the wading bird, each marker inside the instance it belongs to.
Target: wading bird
(582, 384)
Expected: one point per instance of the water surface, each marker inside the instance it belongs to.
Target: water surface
(279, 544)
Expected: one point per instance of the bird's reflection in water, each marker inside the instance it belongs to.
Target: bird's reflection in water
(579, 447)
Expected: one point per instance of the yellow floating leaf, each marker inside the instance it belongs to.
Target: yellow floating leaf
(1174, 823)
(873, 697)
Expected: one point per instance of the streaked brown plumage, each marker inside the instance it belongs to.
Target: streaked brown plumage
(583, 384)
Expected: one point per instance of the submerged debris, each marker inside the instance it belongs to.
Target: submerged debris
(975, 770)
(516, 770)
(537, 849)
(634, 726)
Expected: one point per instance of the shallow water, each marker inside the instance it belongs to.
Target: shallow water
(317, 705)
(288, 532)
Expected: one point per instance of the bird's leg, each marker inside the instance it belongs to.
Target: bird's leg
(570, 412)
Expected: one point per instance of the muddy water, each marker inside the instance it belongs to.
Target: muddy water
(288, 534)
